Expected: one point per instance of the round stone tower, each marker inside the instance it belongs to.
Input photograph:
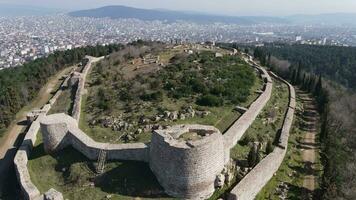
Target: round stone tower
(186, 160)
(54, 129)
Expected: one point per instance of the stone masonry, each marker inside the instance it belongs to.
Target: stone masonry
(29, 190)
(187, 169)
(255, 180)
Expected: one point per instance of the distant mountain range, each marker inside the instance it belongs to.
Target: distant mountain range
(170, 16)
(116, 12)
(125, 12)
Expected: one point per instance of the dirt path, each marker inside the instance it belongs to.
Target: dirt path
(309, 145)
(12, 138)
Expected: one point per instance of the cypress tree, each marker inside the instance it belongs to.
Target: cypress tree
(318, 87)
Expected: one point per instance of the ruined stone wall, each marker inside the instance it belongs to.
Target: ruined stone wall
(29, 190)
(258, 177)
(59, 92)
(236, 131)
(60, 131)
(81, 87)
(187, 170)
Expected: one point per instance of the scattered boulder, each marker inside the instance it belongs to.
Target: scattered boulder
(220, 181)
(174, 115)
(53, 194)
(182, 116)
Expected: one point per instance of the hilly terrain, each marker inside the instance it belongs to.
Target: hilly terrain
(116, 12)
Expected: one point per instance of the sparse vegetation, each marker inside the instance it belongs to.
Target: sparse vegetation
(266, 126)
(196, 88)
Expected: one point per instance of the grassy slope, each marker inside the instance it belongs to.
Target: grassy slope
(260, 129)
(220, 117)
(122, 179)
(70, 172)
(292, 169)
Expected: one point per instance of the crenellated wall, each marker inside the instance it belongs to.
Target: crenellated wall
(258, 177)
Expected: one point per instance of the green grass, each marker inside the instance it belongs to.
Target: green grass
(220, 117)
(292, 169)
(253, 96)
(260, 129)
(71, 173)
(64, 102)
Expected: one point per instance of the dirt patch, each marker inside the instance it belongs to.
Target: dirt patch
(309, 145)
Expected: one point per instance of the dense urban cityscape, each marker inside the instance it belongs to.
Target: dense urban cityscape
(28, 38)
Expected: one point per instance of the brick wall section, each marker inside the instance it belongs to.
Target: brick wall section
(258, 177)
(60, 131)
(236, 131)
(81, 86)
(187, 170)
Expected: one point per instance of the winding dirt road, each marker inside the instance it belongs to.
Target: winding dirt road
(15, 132)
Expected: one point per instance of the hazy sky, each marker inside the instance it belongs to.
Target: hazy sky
(226, 7)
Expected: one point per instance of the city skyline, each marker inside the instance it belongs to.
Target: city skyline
(225, 7)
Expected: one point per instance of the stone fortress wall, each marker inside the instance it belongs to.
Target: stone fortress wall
(258, 177)
(187, 169)
(28, 189)
(81, 86)
(60, 131)
(236, 131)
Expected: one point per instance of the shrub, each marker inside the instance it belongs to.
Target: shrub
(155, 96)
(269, 147)
(209, 100)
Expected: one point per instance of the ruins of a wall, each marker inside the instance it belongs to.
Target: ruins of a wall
(236, 131)
(258, 177)
(29, 190)
(187, 169)
(81, 87)
(61, 130)
(197, 173)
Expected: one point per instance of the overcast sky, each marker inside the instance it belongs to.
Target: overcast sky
(226, 7)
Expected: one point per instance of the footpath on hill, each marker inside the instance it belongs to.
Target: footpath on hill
(16, 130)
(309, 145)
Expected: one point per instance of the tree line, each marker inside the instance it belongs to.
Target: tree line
(20, 85)
(336, 101)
